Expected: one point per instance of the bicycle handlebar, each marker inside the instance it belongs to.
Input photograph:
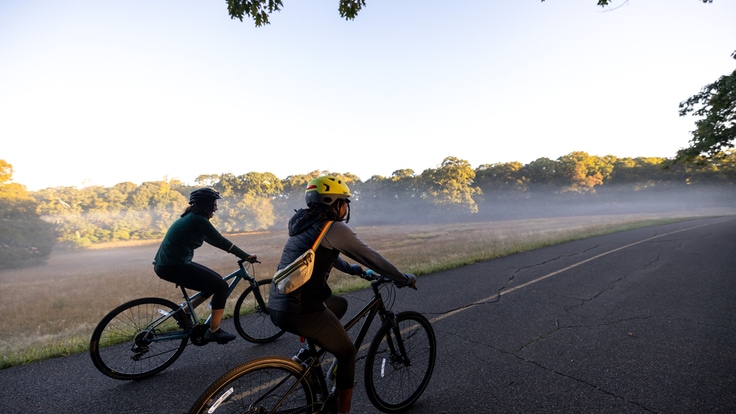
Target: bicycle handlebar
(372, 276)
(241, 261)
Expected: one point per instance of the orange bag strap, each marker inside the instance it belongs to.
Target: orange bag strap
(321, 234)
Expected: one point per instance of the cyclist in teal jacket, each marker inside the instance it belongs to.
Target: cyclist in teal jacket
(312, 311)
(173, 261)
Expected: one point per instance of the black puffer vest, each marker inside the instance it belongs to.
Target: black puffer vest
(303, 231)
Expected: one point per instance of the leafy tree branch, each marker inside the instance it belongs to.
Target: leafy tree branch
(260, 10)
(716, 130)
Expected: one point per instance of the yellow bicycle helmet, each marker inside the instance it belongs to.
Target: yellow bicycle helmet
(326, 190)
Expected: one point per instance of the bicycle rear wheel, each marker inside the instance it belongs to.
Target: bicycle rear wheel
(137, 339)
(252, 320)
(393, 383)
(258, 386)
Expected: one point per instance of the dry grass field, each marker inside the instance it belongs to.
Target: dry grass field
(51, 310)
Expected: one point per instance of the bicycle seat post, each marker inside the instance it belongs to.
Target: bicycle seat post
(185, 296)
(308, 352)
(188, 302)
(314, 366)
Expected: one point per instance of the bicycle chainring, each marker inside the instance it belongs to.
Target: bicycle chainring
(197, 334)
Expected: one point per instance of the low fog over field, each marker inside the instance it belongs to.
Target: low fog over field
(518, 206)
(65, 298)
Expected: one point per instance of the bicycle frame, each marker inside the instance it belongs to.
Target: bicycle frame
(375, 307)
(233, 278)
(398, 367)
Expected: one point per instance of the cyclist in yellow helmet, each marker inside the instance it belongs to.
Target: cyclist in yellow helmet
(312, 311)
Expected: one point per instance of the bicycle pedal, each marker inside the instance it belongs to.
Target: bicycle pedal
(196, 334)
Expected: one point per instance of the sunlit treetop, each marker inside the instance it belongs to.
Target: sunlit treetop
(260, 10)
(715, 128)
(608, 3)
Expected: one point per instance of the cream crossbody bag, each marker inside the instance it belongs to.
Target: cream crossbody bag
(298, 272)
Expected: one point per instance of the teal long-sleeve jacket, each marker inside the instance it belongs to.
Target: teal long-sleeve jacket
(188, 233)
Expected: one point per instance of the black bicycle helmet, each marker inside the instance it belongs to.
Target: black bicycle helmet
(203, 195)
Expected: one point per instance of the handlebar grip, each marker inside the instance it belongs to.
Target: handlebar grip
(370, 275)
(241, 261)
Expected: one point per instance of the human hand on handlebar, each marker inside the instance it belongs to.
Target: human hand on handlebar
(411, 281)
(355, 269)
(251, 258)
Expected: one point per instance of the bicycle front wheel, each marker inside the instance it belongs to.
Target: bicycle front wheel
(395, 379)
(263, 385)
(251, 319)
(137, 339)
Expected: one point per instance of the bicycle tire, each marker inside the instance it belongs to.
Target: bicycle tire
(255, 387)
(391, 385)
(121, 347)
(251, 321)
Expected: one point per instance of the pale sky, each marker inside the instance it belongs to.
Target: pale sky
(102, 92)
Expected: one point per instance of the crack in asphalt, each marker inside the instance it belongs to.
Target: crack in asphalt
(587, 383)
(656, 259)
(557, 328)
(584, 301)
(499, 292)
(515, 354)
(518, 270)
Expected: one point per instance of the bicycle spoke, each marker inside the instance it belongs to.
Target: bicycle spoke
(263, 386)
(394, 380)
(124, 346)
(252, 320)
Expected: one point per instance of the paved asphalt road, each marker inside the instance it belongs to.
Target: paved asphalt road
(641, 321)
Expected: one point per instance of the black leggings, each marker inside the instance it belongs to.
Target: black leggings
(197, 277)
(325, 329)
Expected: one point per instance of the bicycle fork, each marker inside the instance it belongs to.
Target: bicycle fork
(395, 343)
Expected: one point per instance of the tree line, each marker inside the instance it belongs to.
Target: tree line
(32, 222)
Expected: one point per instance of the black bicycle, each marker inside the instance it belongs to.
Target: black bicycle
(398, 366)
(143, 337)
